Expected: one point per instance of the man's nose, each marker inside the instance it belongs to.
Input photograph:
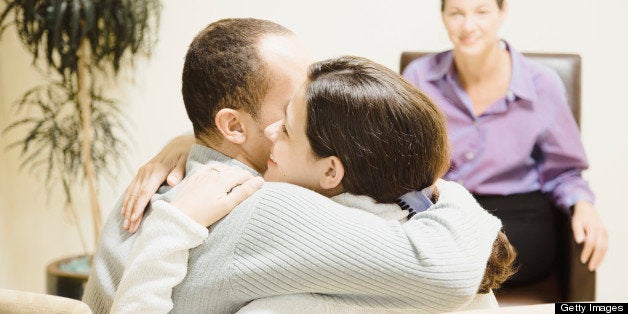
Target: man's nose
(271, 131)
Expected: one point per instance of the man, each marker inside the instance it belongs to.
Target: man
(238, 76)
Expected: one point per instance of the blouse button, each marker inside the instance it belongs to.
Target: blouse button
(510, 95)
(469, 155)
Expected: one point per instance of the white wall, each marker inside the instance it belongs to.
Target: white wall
(33, 233)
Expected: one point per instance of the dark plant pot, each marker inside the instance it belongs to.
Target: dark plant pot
(64, 283)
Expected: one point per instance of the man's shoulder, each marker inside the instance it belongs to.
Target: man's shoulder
(285, 196)
(296, 205)
(270, 190)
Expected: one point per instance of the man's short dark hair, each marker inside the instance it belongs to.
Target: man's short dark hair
(223, 69)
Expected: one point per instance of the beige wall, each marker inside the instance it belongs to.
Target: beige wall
(33, 232)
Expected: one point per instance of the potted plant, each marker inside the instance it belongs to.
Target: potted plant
(73, 131)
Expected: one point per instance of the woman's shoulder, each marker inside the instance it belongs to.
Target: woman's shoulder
(387, 211)
(279, 198)
(445, 186)
(454, 194)
(542, 76)
(288, 192)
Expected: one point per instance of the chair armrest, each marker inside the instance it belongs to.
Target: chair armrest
(577, 282)
(13, 301)
(581, 281)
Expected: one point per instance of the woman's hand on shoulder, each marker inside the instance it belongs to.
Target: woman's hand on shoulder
(588, 227)
(168, 165)
(212, 191)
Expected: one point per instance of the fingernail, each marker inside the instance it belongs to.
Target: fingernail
(126, 224)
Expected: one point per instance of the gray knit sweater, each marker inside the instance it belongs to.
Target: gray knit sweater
(286, 239)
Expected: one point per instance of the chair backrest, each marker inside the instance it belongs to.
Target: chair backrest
(568, 67)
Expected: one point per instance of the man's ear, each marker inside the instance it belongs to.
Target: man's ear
(334, 172)
(229, 124)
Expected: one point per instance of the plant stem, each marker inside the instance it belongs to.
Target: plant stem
(85, 103)
(75, 216)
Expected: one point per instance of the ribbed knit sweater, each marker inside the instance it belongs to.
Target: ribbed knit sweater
(286, 239)
(310, 303)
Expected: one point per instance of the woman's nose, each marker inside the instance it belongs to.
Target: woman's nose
(469, 23)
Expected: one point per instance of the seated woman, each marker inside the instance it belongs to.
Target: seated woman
(515, 143)
(357, 132)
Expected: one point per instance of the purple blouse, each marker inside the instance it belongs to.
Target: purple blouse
(526, 141)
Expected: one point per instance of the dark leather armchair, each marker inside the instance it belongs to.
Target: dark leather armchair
(570, 280)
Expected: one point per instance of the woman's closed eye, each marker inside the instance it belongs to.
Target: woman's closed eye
(283, 129)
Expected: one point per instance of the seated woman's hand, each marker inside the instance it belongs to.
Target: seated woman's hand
(213, 191)
(589, 229)
(168, 165)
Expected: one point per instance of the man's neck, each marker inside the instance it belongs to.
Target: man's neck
(226, 148)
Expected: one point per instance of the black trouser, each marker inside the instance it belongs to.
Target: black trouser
(528, 221)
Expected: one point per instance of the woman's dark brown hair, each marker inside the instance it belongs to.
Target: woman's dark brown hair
(390, 137)
(500, 264)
